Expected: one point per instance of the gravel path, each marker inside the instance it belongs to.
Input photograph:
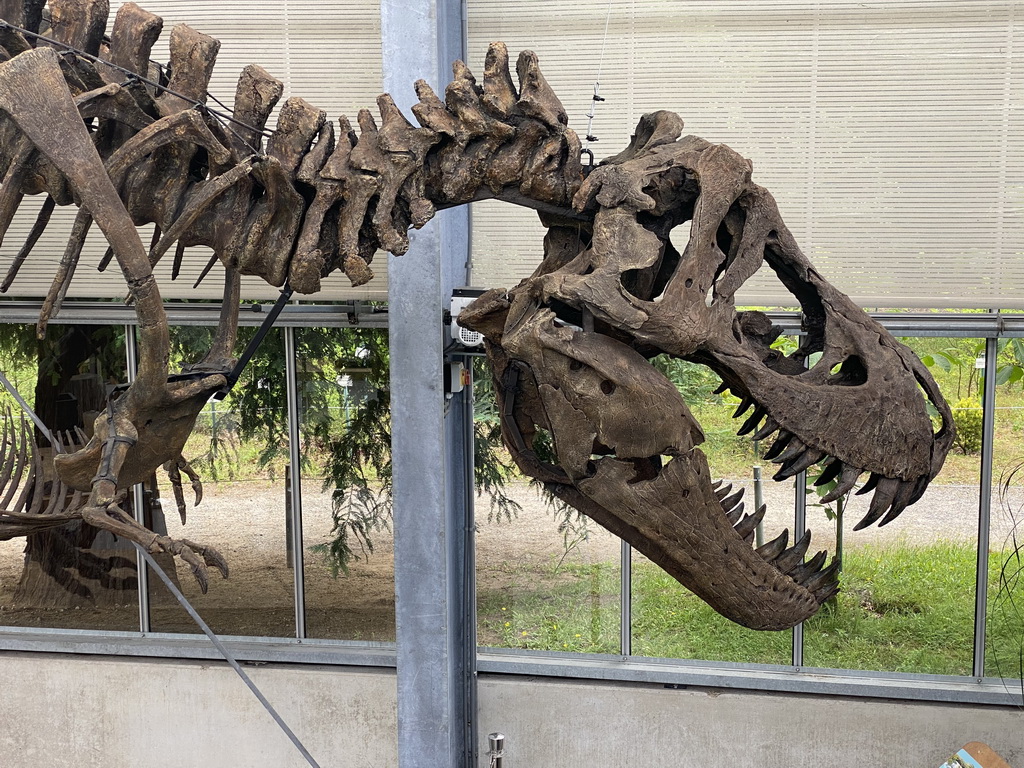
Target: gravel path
(245, 521)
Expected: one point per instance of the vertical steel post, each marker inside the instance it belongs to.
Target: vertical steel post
(420, 39)
(131, 352)
(758, 501)
(988, 422)
(469, 579)
(295, 487)
(625, 598)
(799, 527)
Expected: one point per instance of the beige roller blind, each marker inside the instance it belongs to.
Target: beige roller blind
(326, 51)
(890, 132)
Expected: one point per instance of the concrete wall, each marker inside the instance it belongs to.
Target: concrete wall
(90, 711)
(83, 711)
(550, 722)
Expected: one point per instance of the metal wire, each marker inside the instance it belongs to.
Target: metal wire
(222, 116)
(590, 137)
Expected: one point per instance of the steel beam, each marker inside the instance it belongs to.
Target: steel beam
(420, 38)
(988, 422)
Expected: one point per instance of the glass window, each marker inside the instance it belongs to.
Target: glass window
(547, 578)
(1003, 651)
(348, 545)
(72, 576)
(907, 599)
(238, 451)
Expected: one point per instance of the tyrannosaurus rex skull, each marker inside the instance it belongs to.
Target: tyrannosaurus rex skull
(571, 344)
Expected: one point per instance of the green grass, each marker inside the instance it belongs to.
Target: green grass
(564, 608)
(902, 609)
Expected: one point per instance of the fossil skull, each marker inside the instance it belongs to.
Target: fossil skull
(570, 347)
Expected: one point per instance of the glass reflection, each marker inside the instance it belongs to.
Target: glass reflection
(239, 449)
(74, 576)
(348, 545)
(907, 599)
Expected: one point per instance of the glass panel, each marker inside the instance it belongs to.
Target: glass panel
(346, 502)
(669, 621)
(239, 448)
(1004, 656)
(73, 576)
(907, 599)
(548, 579)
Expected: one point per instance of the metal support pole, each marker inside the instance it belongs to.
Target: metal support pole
(131, 351)
(625, 598)
(295, 487)
(469, 578)
(420, 39)
(799, 527)
(988, 422)
(758, 501)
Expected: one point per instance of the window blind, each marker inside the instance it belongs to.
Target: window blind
(326, 51)
(890, 133)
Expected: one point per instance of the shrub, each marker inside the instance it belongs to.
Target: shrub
(967, 419)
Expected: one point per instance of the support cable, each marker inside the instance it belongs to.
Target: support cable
(590, 137)
(225, 653)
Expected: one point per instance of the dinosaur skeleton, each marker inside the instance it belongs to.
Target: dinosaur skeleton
(570, 346)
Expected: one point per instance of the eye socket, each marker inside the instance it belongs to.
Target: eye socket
(608, 387)
(575, 365)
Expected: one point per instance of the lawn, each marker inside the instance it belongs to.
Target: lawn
(902, 609)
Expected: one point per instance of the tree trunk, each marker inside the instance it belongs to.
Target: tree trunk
(78, 566)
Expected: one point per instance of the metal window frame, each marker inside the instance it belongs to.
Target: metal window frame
(974, 689)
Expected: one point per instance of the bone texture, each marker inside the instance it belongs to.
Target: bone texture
(569, 347)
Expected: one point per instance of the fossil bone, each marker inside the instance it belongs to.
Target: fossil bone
(569, 347)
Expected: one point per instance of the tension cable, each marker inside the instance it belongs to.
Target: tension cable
(597, 85)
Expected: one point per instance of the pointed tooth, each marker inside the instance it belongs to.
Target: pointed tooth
(845, 484)
(793, 556)
(746, 526)
(716, 485)
(825, 593)
(752, 421)
(775, 547)
(824, 576)
(720, 389)
(731, 501)
(869, 486)
(920, 486)
(770, 425)
(735, 514)
(722, 491)
(743, 407)
(884, 496)
(794, 467)
(794, 449)
(900, 502)
(830, 473)
(805, 570)
(777, 447)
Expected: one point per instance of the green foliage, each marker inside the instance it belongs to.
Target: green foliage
(695, 382)
(960, 356)
(967, 417)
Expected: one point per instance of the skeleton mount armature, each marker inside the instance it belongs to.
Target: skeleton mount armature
(84, 123)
